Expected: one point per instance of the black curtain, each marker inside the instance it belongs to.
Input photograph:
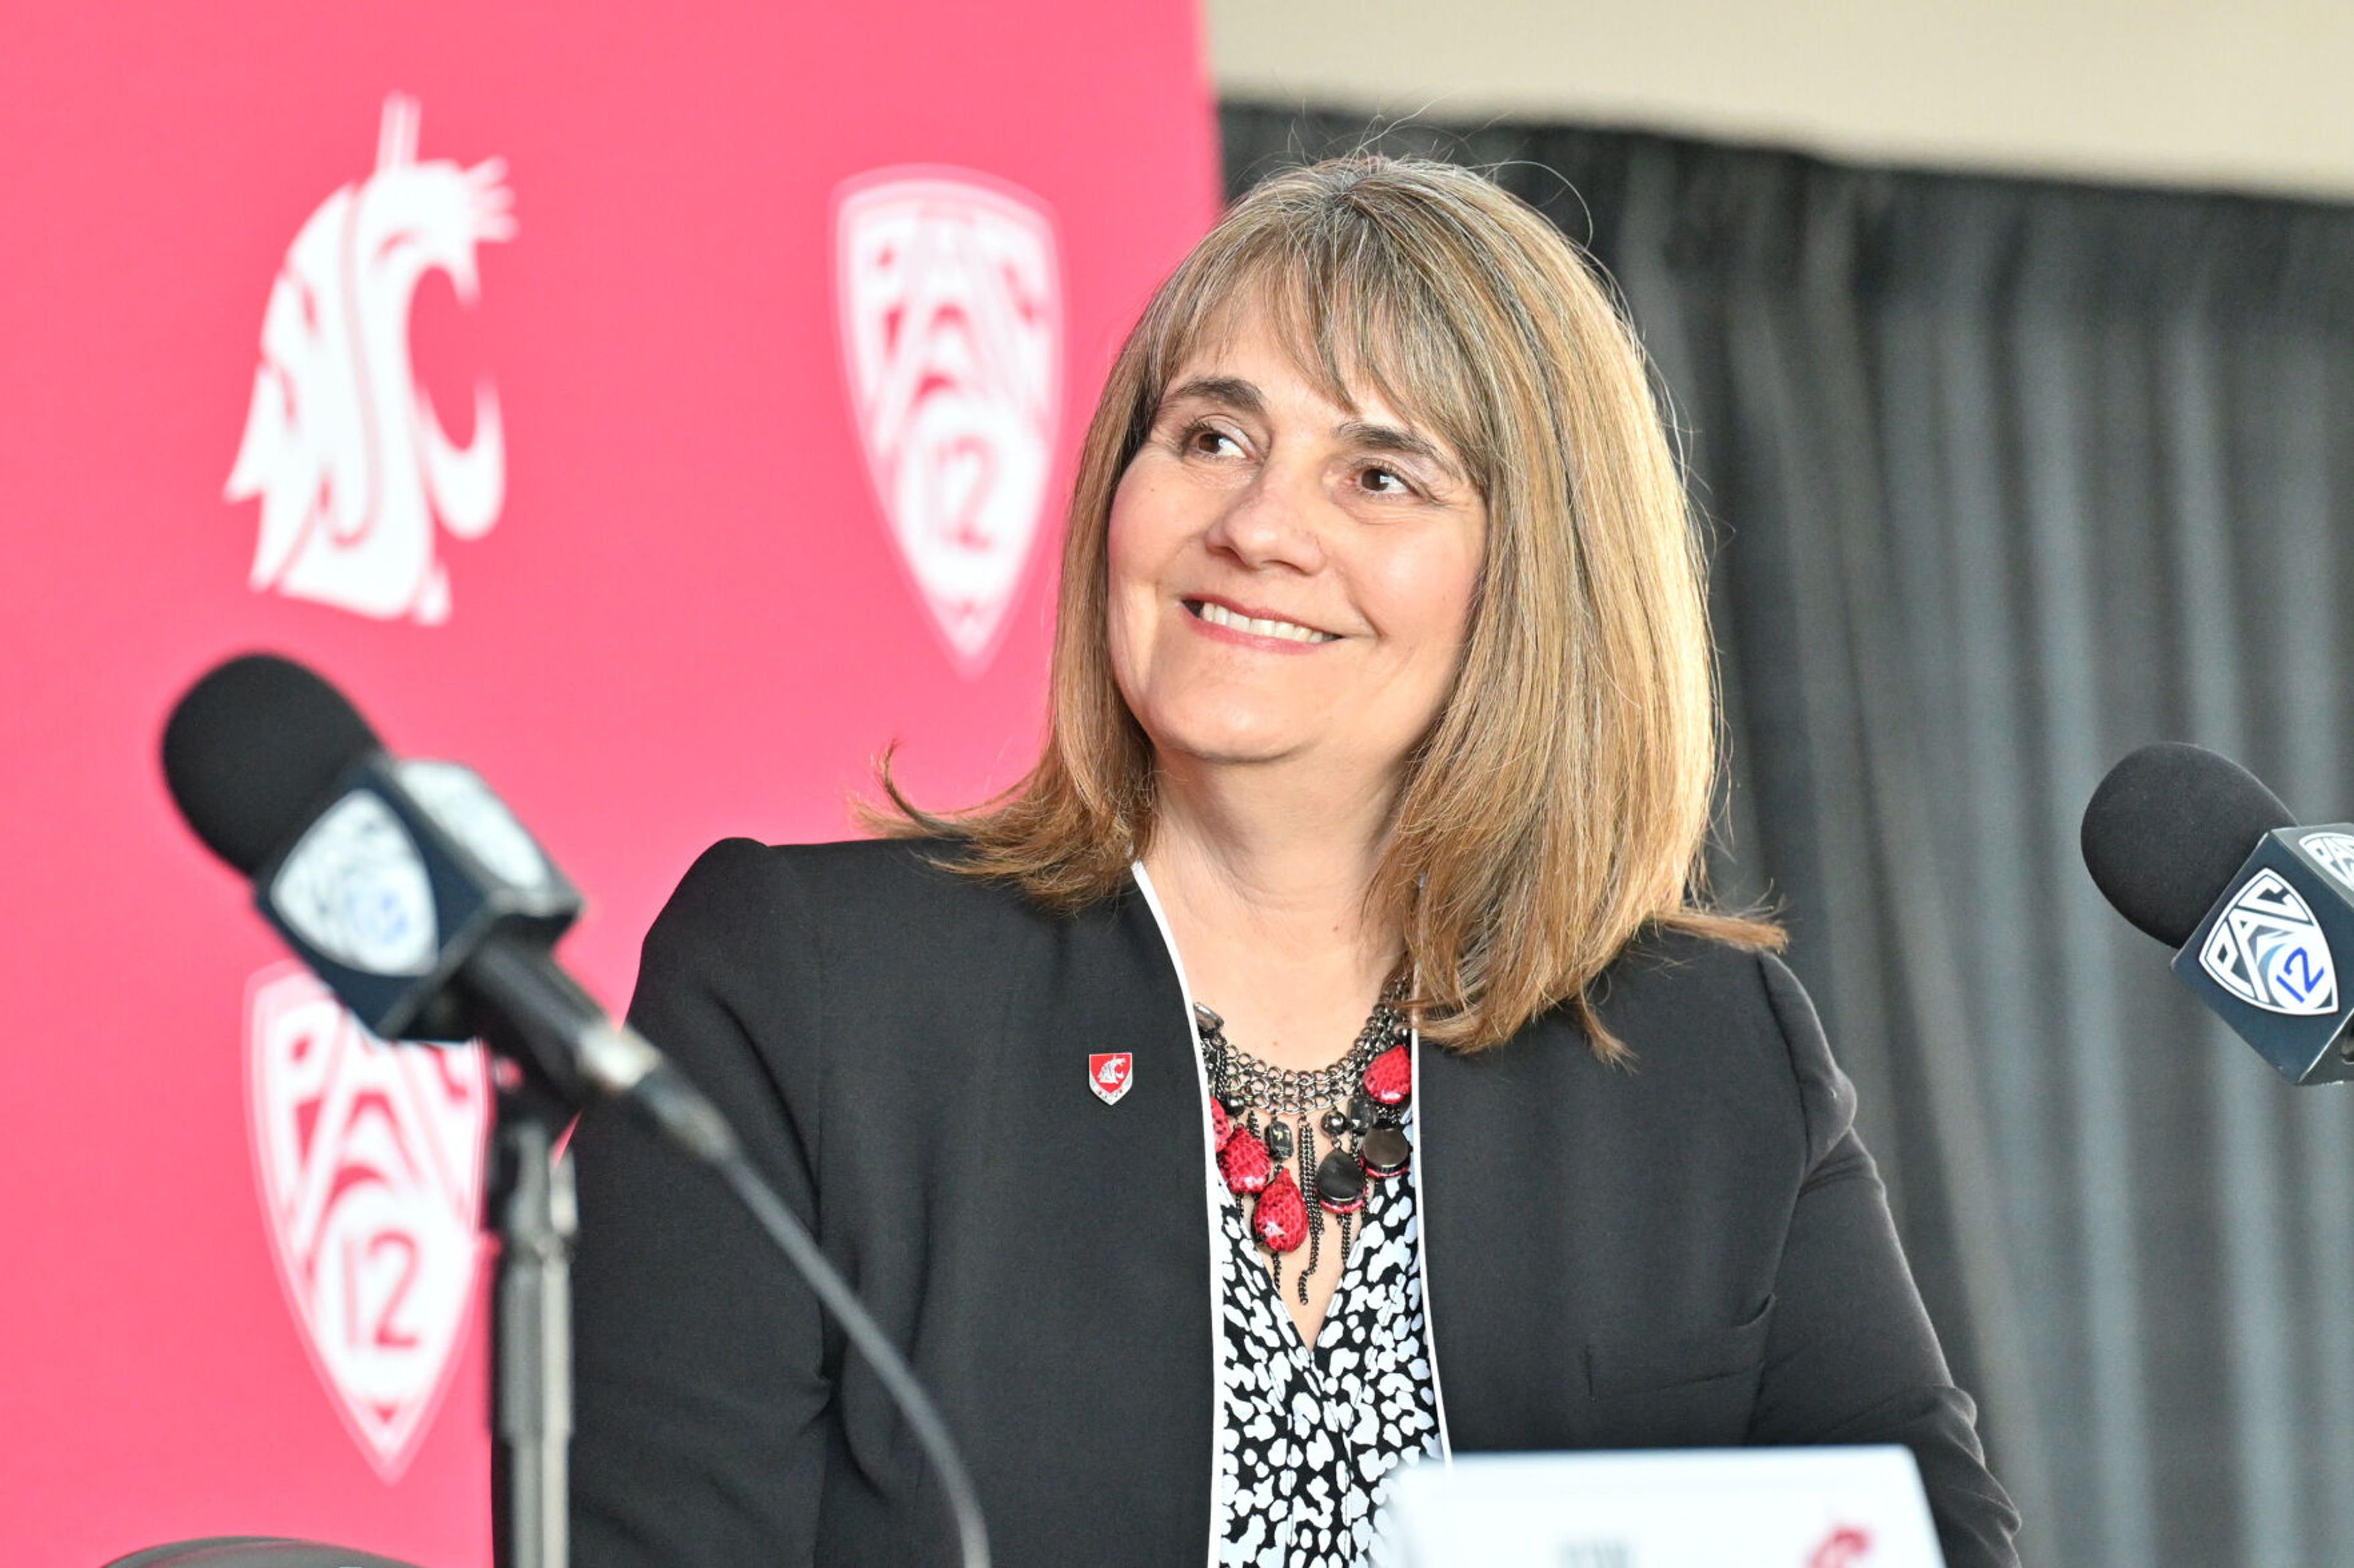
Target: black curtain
(2005, 478)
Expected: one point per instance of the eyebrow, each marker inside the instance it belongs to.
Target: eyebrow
(1228, 390)
(1405, 443)
(1244, 397)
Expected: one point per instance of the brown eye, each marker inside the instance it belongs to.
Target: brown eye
(1204, 439)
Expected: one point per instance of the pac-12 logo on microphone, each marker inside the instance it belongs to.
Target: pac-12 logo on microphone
(2333, 851)
(949, 297)
(2267, 949)
(369, 1159)
(340, 444)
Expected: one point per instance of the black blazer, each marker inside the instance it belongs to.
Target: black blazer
(1694, 1252)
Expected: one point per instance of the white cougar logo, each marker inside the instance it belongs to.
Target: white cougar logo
(341, 443)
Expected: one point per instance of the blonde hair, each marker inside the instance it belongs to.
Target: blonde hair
(1561, 801)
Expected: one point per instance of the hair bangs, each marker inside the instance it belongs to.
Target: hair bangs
(1352, 311)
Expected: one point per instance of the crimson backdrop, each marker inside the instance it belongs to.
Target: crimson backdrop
(684, 617)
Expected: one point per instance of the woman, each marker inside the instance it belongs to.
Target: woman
(1320, 1060)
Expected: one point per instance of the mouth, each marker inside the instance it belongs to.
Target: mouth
(1234, 619)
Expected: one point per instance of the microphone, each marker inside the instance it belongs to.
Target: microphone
(2195, 851)
(415, 894)
(405, 885)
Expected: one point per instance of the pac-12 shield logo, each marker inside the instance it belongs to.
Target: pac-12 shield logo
(2268, 951)
(949, 296)
(370, 1162)
(2334, 850)
(340, 444)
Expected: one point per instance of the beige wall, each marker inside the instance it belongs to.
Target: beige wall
(2253, 95)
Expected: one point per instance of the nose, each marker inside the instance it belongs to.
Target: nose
(1275, 521)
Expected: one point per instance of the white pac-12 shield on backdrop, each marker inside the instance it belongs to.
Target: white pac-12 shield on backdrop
(370, 1162)
(949, 295)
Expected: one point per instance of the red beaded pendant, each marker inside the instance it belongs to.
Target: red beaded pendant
(1280, 1218)
(1244, 1162)
(1220, 1128)
(1389, 1077)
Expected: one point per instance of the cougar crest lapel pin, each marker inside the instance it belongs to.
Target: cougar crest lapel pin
(1109, 1074)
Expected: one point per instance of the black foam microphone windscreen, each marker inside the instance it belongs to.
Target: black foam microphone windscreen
(2169, 829)
(252, 750)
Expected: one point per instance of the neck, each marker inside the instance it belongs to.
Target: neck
(1263, 872)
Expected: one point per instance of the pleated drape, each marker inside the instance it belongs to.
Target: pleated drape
(2003, 479)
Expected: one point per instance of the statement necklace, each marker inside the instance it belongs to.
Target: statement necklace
(1366, 1140)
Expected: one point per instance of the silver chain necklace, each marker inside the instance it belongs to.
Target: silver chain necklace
(1283, 1091)
(1363, 1141)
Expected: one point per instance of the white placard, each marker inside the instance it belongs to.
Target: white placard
(1714, 1507)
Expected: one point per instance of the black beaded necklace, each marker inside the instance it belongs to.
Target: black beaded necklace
(1365, 1140)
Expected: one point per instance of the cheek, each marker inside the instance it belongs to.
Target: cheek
(1147, 527)
(1124, 549)
(1134, 554)
(1462, 587)
(1427, 593)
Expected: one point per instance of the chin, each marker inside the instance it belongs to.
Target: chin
(1229, 736)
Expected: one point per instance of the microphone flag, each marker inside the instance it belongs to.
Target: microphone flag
(2267, 957)
(390, 890)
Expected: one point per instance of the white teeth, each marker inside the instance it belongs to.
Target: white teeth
(1219, 615)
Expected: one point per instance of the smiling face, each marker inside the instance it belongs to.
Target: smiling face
(1558, 804)
(1290, 580)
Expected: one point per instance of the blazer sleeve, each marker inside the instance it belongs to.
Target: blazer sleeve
(1850, 1356)
(702, 1374)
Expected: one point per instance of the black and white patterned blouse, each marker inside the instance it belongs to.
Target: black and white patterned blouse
(1307, 1439)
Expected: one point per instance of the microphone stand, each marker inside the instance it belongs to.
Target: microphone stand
(529, 1204)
